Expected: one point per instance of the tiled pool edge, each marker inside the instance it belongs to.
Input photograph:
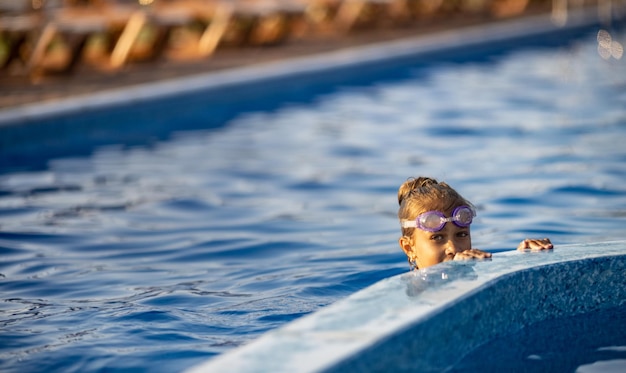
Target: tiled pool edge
(469, 36)
(400, 323)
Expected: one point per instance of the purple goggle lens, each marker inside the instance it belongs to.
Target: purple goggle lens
(434, 221)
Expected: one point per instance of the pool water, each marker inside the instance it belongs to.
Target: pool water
(155, 254)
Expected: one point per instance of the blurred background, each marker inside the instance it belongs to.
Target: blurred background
(56, 48)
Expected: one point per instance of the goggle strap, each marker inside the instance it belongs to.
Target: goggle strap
(409, 224)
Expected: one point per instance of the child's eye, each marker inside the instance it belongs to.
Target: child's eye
(436, 237)
(462, 234)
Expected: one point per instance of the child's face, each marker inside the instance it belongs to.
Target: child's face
(430, 248)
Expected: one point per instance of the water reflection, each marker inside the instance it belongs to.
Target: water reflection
(607, 47)
(432, 278)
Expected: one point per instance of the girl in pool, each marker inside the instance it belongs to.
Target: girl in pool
(426, 208)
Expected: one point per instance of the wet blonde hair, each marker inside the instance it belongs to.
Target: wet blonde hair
(421, 194)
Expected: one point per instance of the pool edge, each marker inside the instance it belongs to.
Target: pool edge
(342, 336)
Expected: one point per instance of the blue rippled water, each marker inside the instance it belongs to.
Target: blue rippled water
(126, 252)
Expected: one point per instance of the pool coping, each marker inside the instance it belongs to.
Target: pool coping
(336, 337)
(464, 37)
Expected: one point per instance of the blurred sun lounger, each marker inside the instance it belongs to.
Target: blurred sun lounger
(123, 26)
(130, 31)
(18, 22)
(54, 36)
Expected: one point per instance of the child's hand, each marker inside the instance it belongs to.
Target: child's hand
(472, 254)
(535, 244)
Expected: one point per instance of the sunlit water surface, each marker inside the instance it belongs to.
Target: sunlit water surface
(156, 257)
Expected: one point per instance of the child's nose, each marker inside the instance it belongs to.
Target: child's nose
(452, 248)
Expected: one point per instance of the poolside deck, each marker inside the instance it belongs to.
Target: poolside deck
(20, 90)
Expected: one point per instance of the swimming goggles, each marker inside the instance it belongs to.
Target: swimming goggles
(434, 221)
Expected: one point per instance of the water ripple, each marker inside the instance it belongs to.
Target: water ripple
(152, 256)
